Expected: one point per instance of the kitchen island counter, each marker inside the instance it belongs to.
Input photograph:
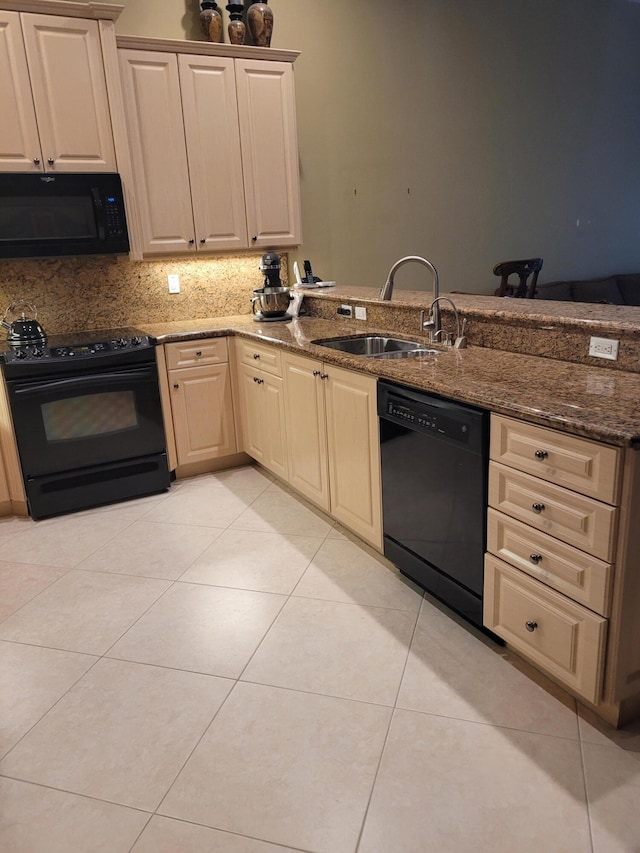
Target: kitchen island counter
(582, 399)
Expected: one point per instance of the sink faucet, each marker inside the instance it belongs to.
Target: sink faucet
(387, 291)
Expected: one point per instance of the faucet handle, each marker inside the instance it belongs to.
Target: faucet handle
(426, 325)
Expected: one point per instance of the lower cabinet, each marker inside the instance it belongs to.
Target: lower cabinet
(333, 445)
(201, 400)
(261, 398)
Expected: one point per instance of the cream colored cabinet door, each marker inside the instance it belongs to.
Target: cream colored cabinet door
(153, 110)
(202, 407)
(251, 400)
(70, 93)
(208, 89)
(306, 427)
(354, 452)
(19, 141)
(268, 132)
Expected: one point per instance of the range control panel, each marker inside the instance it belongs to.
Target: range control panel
(38, 352)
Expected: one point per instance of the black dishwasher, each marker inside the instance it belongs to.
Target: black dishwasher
(434, 455)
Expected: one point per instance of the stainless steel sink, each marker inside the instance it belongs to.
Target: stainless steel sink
(377, 346)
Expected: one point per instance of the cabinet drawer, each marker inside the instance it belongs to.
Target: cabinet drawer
(562, 637)
(190, 353)
(257, 355)
(580, 576)
(573, 518)
(585, 466)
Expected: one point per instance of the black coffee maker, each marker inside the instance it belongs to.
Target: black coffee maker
(270, 266)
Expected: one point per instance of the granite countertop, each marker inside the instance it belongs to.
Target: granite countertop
(581, 399)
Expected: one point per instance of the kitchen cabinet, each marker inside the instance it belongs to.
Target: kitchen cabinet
(201, 400)
(53, 100)
(333, 442)
(561, 579)
(261, 400)
(214, 148)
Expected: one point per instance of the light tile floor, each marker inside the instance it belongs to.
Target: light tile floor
(224, 669)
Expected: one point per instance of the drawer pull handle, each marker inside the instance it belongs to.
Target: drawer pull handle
(176, 386)
(256, 355)
(258, 380)
(535, 558)
(531, 626)
(317, 373)
(541, 454)
(198, 352)
(537, 508)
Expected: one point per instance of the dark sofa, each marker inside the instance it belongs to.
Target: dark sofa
(612, 290)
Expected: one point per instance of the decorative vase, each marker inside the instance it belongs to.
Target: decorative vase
(211, 21)
(237, 28)
(260, 23)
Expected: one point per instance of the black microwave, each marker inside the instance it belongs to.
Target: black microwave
(45, 215)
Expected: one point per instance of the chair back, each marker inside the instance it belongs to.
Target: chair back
(523, 269)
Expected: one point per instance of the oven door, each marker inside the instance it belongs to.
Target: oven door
(64, 423)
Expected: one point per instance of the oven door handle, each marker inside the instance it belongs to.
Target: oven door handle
(96, 382)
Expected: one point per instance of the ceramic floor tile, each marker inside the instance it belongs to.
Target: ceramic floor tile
(249, 559)
(151, 549)
(242, 481)
(164, 835)
(349, 571)
(32, 680)
(20, 582)
(334, 648)
(121, 733)
(63, 541)
(34, 819)
(203, 506)
(276, 511)
(14, 525)
(613, 790)
(83, 611)
(290, 768)
(595, 730)
(132, 509)
(455, 672)
(452, 786)
(206, 629)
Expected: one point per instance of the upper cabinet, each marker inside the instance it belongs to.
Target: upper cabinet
(213, 146)
(53, 98)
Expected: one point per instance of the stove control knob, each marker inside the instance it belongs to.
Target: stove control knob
(123, 342)
(21, 353)
(136, 341)
(37, 352)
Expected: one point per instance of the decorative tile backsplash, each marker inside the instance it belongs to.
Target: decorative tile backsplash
(108, 292)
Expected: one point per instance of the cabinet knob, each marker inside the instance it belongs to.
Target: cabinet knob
(50, 161)
(260, 381)
(538, 508)
(324, 376)
(254, 238)
(36, 161)
(191, 242)
(531, 626)
(256, 355)
(317, 373)
(541, 454)
(198, 353)
(535, 558)
(203, 240)
(176, 386)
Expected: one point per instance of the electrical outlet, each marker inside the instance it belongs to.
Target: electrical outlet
(604, 348)
(174, 283)
(361, 312)
(345, 311)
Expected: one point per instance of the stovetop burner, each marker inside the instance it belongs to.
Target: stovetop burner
(104, 345)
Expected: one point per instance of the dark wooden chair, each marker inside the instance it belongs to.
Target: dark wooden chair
(523, 269)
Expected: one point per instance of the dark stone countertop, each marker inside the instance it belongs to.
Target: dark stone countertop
(585, 400)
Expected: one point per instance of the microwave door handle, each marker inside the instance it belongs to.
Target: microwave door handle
(95, 382)
(99, 212)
